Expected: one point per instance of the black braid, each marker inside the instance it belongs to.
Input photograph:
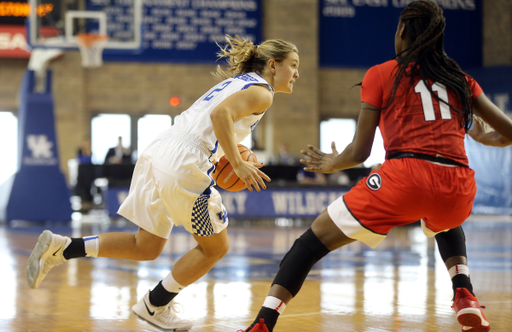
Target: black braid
(425, 24)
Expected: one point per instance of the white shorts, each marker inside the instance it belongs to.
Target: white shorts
(172, 185)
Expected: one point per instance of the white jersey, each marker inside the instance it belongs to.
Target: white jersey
(196, 121)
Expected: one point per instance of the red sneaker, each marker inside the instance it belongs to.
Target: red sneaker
(469, 313)
(260, 327)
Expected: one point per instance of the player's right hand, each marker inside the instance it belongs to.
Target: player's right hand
(251, 174)
(319, 161)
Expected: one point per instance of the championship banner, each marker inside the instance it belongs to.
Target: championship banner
(360, 33)
(38, 190)
(184, 30)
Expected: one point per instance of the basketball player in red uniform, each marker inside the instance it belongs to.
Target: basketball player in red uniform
(423, 104)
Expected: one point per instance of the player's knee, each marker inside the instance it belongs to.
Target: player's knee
(216, 252)
(148, 246)
(150, 253)
(222, 250)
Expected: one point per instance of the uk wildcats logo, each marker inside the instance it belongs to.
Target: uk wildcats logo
(374, 181)
(41, 154)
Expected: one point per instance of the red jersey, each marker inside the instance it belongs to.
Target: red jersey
(415, 121)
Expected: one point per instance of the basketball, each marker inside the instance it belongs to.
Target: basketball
(225, 176)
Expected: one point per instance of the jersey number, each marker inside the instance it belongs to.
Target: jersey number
(212, 94)
(428, 102)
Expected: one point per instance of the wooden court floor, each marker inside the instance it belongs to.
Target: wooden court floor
(402, 286)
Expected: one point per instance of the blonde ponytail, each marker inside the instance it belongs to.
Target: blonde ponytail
(245, 57)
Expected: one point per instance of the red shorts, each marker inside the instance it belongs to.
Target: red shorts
(402, 192)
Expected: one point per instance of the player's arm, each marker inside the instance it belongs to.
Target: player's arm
(482, 133)
(253, 100)
(355, 153)
(500, 122)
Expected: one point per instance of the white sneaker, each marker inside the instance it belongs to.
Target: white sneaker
(47, 253)
(163, 317)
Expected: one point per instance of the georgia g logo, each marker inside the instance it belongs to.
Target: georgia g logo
(374, 181)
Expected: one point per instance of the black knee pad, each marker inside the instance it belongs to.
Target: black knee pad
(452, 243)
(296, 264)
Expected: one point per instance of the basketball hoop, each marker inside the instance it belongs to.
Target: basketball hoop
(91, 48)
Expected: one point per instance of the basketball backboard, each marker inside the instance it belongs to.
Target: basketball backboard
(55, 23)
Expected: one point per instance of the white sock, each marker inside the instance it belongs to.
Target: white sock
(92, 246)
(458, 269)
(171, 285)
(274, 303)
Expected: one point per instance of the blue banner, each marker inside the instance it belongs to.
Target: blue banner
(114, 197)
(298, 202)
(360, 33)
(38, 190)
(184, 30)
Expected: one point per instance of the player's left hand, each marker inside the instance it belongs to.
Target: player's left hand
(319, 161)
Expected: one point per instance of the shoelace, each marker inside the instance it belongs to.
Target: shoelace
(167, 313)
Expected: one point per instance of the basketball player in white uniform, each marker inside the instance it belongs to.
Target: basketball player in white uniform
(172, 181)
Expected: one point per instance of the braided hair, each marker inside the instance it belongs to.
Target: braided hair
(243, 56)
(425, 24)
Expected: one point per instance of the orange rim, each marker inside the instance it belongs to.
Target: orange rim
(89, 39)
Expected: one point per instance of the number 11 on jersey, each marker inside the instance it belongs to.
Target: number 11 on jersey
(428, 101)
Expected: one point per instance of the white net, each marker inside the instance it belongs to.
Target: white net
(91, 48)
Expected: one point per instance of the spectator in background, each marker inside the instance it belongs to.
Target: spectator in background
(84, 153)
(118, 154)
(284, 157)
(338, 178)
(305, 177)
(85, 174)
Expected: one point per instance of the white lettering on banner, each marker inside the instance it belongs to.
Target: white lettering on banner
(169, 36)
(302, 202)
(211, 13)
(445, 4)
(347, 8)
(175, 20)
(234, 202)
(194, 22)
(231, 14)
(168, 3)
(10, 41)
(336, 2)
(339, 11)
(370, 3)
(186, 13)
(160, 11)
(279, 200)
(240, 199)
(226, 4)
